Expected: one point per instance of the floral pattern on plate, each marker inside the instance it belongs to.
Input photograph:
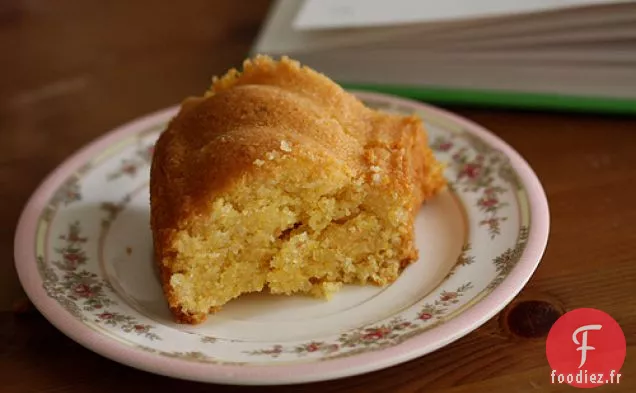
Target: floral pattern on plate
(390, 333)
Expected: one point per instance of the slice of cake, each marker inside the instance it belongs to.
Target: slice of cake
(278, 179)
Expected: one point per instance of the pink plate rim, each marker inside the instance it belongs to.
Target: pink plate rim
(415, 347)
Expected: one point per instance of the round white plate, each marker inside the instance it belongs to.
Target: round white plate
(83, 252)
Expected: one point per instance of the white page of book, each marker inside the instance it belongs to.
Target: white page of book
(330, 14)
(600, 25)
(594, 80)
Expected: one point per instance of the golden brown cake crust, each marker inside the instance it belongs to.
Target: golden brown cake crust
(217, 138)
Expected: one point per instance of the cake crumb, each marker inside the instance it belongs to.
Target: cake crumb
(271, 155)
(285, 146)
(348, 265)
(330, 288)
(128, 250)
(259, 162)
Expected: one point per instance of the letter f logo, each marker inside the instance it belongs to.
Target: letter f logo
(583, 344)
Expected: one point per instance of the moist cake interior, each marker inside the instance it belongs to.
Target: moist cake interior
(278, 179)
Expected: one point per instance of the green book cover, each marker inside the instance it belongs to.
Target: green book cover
(501, 99)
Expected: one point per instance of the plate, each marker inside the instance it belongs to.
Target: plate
(83, 252)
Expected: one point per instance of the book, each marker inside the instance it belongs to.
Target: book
(572, 55)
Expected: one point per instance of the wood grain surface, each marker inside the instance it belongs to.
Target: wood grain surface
(72, 70)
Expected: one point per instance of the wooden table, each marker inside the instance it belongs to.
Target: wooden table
(75, 69)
